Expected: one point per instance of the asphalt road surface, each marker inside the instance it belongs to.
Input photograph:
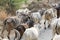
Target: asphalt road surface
(45, 34)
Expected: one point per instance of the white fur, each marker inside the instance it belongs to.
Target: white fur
(36, 15)
(53, 13)
(5, 39)
(32, 33)
(12, 35)
(5, 34)
(56, 37)
(23, 11)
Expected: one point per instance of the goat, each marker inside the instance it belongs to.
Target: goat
(13, 35)
(22, 11)
(49, 15)
(56, 37)
(32, 33)
(28, 24)
(14, 20)
(57, 7)
(10, 23)
(21, 30)
(36, 16)
(58, 26)
(4, 35)
(42, 11)
(55, 24)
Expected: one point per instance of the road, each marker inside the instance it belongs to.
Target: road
(45, 34)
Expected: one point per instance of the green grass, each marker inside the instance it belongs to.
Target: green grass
(18, 3)
(15, 3)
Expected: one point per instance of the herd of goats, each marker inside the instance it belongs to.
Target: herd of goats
(26, 25)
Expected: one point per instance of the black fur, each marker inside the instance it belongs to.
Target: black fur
(30, 23)
(21, 29)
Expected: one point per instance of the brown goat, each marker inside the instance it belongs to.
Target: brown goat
(21, 29)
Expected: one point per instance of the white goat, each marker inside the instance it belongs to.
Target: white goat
(5, 34)
(49, 15)
(56, 37)
(36, 16)
(52, 12)
(31, 33)
(22, 11)
(55, 25)
(14, 35)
